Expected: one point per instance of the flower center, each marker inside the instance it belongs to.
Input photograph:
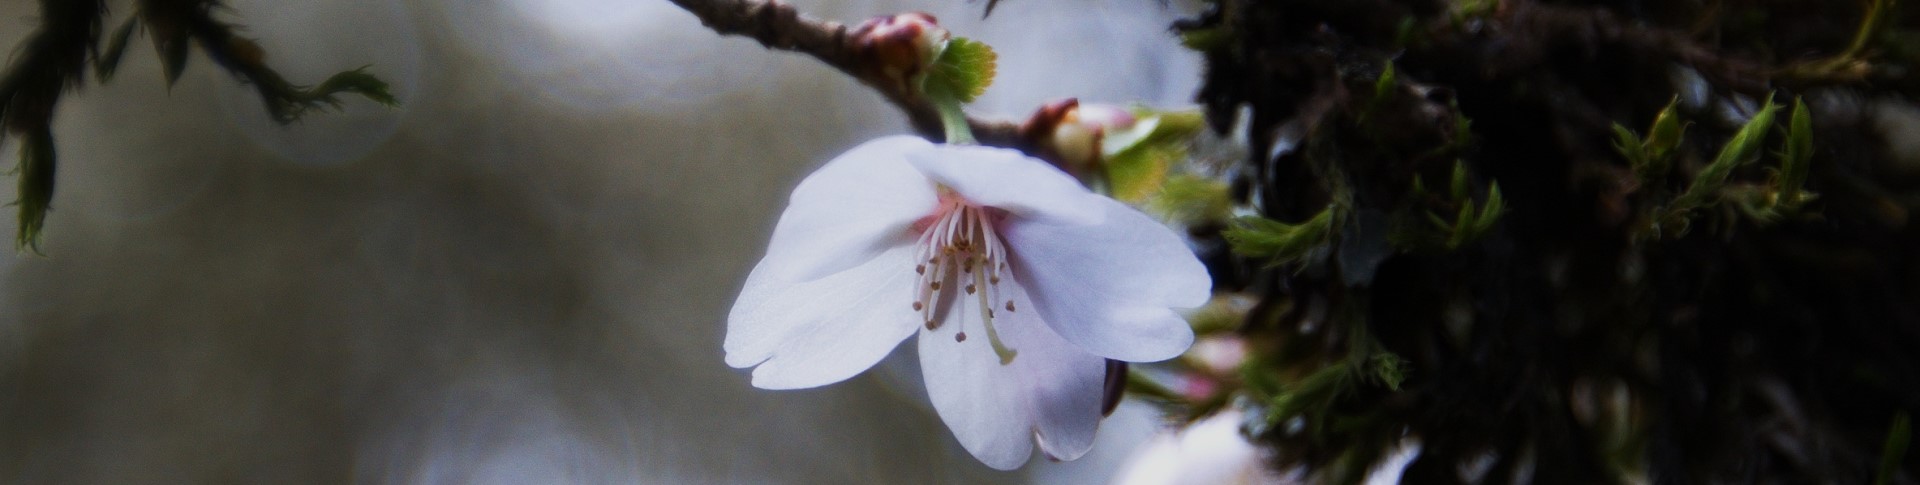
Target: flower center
(960, 253)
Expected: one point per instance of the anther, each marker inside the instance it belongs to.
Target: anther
(969, 288)
(994, 280)
(931, 325)
(920, 269)
(960, 337)
(1009, 305)
(935, 285)
(917, 306)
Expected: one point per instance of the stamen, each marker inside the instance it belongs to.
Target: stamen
(962, 238)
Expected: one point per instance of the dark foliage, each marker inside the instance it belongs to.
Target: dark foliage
(57, 55)
(1603, 328)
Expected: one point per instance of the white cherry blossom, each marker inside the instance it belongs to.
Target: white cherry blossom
(1019, 281)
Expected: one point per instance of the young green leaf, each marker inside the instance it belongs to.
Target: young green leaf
(1259, 237)
(962, 72)
(1630, 147)
(1745, 143)
(1793, 164)
(1489, 212)
(1458, 187)
(1667, 131)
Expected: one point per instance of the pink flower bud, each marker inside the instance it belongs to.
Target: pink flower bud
(901, 46)
(1069, 133)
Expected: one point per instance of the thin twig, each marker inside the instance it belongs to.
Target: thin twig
(778, 25)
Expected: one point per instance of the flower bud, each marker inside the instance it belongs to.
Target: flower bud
(901, 46)
(1070, 133)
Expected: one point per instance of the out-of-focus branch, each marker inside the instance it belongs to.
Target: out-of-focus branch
(1594, 26)
(178, 24)
(56, 57)
(778, 25)
(50, 61)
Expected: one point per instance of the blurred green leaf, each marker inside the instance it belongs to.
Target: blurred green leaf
(1667, 132)
(356, 81)
(1259, 237)
(1799, 154)
(1192, 200)
(35, 178)
(1208, 39)
(173, 55)
(1138, 159)
(1630, 146)
(109, 58)
(1706, 185)
(1899, 434)
(1458, 185)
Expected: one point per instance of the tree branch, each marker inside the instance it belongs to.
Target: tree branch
(778, 25)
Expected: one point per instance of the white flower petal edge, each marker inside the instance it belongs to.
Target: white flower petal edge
(856, 206)
(1011, 181)
(1050, 391)
(820, 298)
(822, 331)
(1110, 287)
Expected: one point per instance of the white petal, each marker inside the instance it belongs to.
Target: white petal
(1009, 180)
(857, 205)
(1108, 287)
(1051, 390)
(822, 331)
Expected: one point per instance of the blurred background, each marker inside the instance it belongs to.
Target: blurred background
(518, 276)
